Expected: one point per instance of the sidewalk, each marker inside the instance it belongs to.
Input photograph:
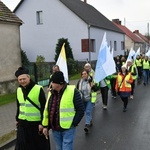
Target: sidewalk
(7, 120)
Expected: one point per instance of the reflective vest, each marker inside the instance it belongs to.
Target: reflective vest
(124, 86)
(26, 110)
(138, 62)
(146, 64)
(94, 94)
(66, 109)
(93, 97)
(132, 71)
(107, 82)
(114, 75)
(91, 73)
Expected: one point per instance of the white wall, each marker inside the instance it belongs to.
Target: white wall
(110, 36)
(58, 22)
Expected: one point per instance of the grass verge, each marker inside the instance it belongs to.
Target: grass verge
(7, 137)
(75, 76)
(8, 98)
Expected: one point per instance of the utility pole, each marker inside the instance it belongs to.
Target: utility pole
(124, 21)
(148, 35)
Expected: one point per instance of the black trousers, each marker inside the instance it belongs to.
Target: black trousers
(139, 72)
(104, 92)
(113, 83)
(125, 101)
(132, 87)
(29, 138)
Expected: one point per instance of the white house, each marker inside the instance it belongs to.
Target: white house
(46, 21)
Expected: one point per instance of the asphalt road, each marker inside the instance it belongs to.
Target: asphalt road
(114, 129)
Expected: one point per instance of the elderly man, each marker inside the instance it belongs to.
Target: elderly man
(30, 105)
(63, 112)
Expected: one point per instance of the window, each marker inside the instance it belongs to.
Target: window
(110, 44)
(122, 45)
(115, 45)
(39, 17)
(85, 45)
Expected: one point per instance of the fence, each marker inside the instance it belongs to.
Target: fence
(40, 72)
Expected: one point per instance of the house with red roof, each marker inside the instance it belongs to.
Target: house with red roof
(144, 39)
(131, 39)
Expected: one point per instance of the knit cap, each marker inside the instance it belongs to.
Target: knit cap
(58, 77)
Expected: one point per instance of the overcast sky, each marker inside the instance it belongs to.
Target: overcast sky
(135, 14)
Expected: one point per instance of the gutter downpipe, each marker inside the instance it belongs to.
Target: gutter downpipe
(89, 38)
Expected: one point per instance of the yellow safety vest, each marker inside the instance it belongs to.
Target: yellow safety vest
(66, 109)
(146, 64)
(138, 62)
(128, 85)
(132, 71)
(93, 97)
(27, 110)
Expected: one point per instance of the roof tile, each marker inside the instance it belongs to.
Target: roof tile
(90, 15)
(7, 16)
(129, 33)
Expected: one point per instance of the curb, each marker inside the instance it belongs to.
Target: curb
(7, 138)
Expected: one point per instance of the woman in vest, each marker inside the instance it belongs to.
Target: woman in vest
(84, 85)
(63, 112)
(123, 85)
(146, 67)
(30, 106)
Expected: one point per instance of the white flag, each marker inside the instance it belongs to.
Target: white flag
(62, 63)
(148, 53)
(137, 53)
(131, 54)
(105, 63)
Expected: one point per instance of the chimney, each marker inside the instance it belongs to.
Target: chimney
(117, 21)
(85, 1)
(136, 31)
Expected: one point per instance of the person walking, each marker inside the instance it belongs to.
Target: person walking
(89, 69)
(113, 83)
(146, 67)
(138, 63)
(54, 69)
(104, 88)
(91, 73)
(63, 112)
(30, 106)
(85, 85)
(133, 70)
(123, 85)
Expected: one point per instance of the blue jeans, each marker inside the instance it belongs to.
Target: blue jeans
(146, 75)
(64, 139)
(88, 111)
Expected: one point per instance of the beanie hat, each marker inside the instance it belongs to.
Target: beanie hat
(21, 70)
(124, 66)
(58, 77)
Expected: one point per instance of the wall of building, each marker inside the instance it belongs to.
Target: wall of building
(10, 58)
(58, 22)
